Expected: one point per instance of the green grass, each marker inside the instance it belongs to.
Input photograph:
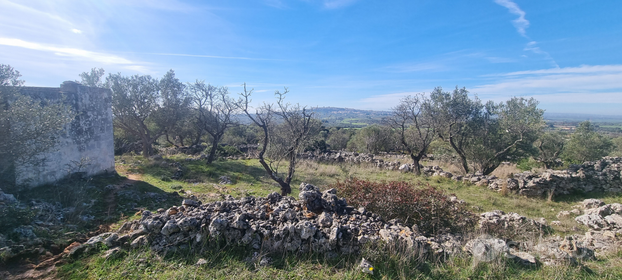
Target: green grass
(236, 263)
(248, 178)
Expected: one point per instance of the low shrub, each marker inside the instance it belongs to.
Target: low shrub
(528, 164)
(427, 207)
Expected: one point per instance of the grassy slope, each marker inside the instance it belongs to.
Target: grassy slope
(249, 179)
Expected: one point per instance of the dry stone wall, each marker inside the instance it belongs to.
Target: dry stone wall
(604, 175)
(86, 144)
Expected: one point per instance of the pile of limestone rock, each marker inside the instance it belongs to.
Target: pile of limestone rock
(522, 239)
(323, 223)
(598, 216)
(317, 222)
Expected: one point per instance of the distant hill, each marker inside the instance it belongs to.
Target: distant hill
(355, 118)
(572, 117)
(346, 117)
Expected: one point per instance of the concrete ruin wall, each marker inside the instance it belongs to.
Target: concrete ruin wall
(85, 145)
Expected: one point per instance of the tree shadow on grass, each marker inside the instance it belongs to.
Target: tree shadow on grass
(99, 200)
(578, 197)
(199, 171)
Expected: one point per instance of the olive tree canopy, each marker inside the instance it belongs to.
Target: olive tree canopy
(486, 134)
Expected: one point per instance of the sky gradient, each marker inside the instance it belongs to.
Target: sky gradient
(359, 54)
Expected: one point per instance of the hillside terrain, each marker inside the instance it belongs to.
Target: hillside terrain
(159, 183)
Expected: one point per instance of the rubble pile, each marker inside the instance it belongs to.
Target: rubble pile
(511, 225)
(317, 222)
(600, 217)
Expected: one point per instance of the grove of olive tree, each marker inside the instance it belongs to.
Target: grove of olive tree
(146, 107)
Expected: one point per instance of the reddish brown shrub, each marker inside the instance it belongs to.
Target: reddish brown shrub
(427, 207)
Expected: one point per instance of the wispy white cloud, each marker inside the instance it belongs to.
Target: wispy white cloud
(583, 69)
(11, 6)
(583, 84)
(165, 5)
(77, 31)
(68, 52)
(533, 47)
(586, 84)
(520, 23)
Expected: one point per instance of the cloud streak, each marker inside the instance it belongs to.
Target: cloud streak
(583, 84)
(68, 52)
(520, 23)
(586, 84)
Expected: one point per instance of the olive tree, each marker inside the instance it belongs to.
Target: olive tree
(93, 78)
(174, 111)
(146, 107)
(486, 134)
(550, 147)
(453, 113)
(338, 138)
(586, 144)
(412, 121)
(372, 139)
(286, 128)
(504, 131)
(617, 143)
(215, 112)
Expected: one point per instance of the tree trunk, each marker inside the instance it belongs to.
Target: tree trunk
(489, 169)
(169, 141)
(460, 153)
(286, 189)
(197, 140)
(146, 146)
(416, 168)
(212, 152)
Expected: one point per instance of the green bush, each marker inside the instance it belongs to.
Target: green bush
(527, 164)
(425, 206)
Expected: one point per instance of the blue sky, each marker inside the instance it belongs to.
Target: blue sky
(344, 53)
